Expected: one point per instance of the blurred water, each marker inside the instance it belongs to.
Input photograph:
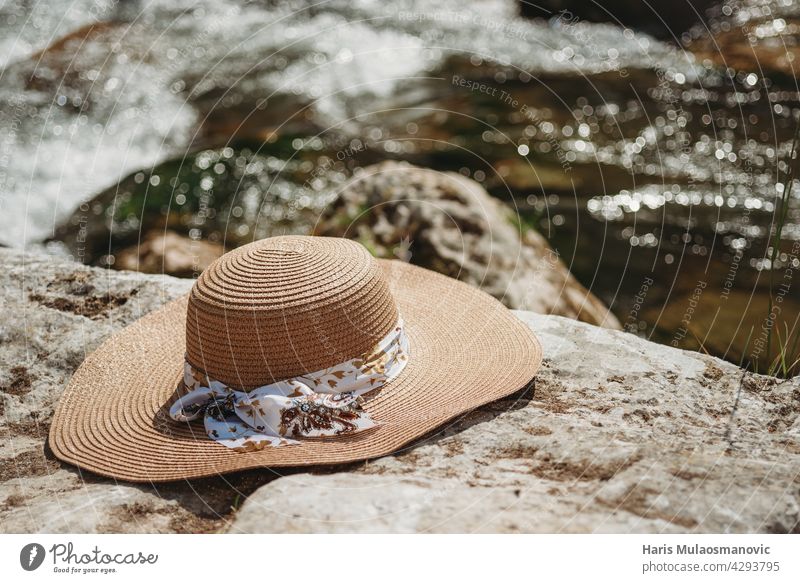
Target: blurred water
(116, 90)
(27, 27)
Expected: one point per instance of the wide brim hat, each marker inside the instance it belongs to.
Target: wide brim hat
(465, 350)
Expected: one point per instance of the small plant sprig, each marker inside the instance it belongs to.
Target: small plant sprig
(786, 362)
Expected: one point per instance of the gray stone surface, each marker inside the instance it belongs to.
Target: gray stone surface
(55, 313)
(618, 435)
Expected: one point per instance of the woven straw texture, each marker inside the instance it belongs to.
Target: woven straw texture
(285, 306)
(466, 349)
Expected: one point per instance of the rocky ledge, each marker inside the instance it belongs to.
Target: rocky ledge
(617, 434)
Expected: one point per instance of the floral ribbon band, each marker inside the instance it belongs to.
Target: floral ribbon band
(319, 404)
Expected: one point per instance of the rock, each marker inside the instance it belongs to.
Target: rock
(55, 313)
(618, 435)
(169, 252)
(450, 224)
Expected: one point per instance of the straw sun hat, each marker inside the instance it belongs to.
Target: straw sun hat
(290, 351)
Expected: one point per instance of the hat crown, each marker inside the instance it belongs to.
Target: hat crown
(286, 306)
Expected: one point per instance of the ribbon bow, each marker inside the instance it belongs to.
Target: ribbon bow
(323, 403)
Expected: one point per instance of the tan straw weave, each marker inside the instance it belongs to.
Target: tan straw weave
(275, 309)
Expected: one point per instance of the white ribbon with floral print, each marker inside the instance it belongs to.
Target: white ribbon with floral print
(318, 404)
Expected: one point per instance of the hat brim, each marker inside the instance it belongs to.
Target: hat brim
(466, 350)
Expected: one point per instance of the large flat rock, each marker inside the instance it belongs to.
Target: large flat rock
(617, 435)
